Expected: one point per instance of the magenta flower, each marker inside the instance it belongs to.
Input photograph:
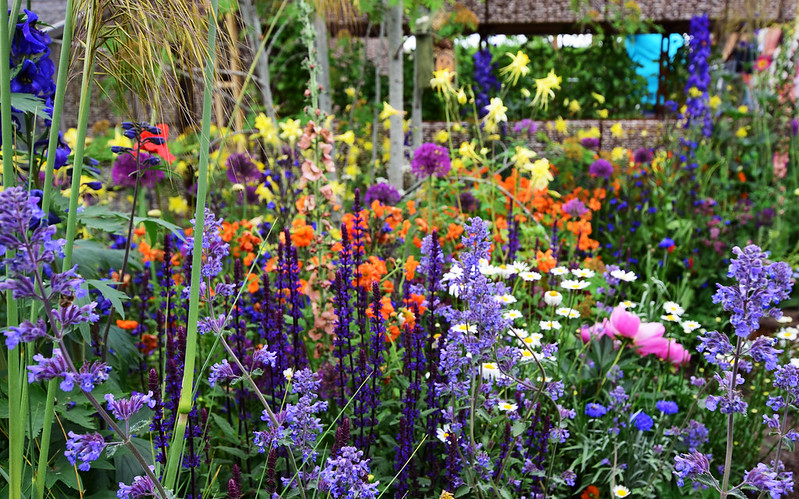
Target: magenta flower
(430, 159)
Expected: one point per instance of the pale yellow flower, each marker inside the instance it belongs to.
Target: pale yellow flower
(618, 153)
(694, 92)
(389, 111)
(267, 130)
(347, 137)
(599, 97)
(560, 125)
(441, 136)
(540, 176)
(525, 93)
(496, 111)
(544, 89)
(178, 205)
(602, 113)
(522, 157)
(741, 132)
(574, 106)
(743, 109)
(442, 81)
(461, 97)
(516, 68)
(714, 102)
(617, 130)
(350, 92)
(291, 130)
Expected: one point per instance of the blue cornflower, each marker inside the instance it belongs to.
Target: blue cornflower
(666, 243)
(667, 407)
(643, 421)
(595, 410)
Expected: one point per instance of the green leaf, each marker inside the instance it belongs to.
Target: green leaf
(29, 104)
(163, 223)
(92, 255)
(227, 430)
(110, 293)
(232, 451)
(100, 218)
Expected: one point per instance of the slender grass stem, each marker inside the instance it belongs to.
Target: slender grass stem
(725, 481)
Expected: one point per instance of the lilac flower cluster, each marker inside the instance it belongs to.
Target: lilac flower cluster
(430, 159)
(690, 466)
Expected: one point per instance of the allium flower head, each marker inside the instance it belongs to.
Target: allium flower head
(383, 192)
(601, 168)
(574, 207)
(642, 155)
(241, 169)
(430, 159)
(123, 173)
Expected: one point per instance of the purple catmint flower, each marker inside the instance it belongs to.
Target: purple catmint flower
(715, 347)
(760, 287)
(568, 477)
(25, 332)
(594, 410)
(430, 159)
(123, 409)
(574, 207)
(786, 378)
(241, 169)
(667, 407)
(214, 247)
(689, 466)
(142, 486)
(383, 192)
(84, 448)
(123, 173)
(301, 418)
(762, 350)
(730, 401)
(601, 168)
(776, 483)
(345, 476)
(222, 371)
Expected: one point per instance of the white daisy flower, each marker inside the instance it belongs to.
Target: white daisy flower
(443, 433)
(507, 406)
(505, 271)
(532, 341)
(548, 325)
(574, 285)
(628, 304)
(486, 268)
(526, 355)
(559, 271)
(690, 326)
(624, 276)
(583, 273)
(518, 333)
(505, 299)
(464, 328)
(670, 318)
(489, 370)
(553, 298)
(512, 314)
(530, 276)
(794, 362)
(788, 333)
(673, 308)
(621, 491)
(521, 266)
(567, 312)
(785, 319)
(288, 373)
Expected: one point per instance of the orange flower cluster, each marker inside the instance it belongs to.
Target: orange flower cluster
(242, 238)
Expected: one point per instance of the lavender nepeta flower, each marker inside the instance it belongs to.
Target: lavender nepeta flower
(601, 168)
(690, 466)
(84, 448)
(214, 247)
(383, 192)
(787, 378)
(715, 346)
(762, 350)
(25, 332)
(345, 476)
(91, 375)
(221, 372)
(263, 357)
(760, 287)
(776, 483)
(430, 159)
(667, 407)
(49, 368)
(123, 409)
(142, 486)
(730, 401)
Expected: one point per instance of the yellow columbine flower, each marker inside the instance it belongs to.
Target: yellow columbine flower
(291, 130)
(540, 176)
(591, 133)
(616, 130)
(389, 111)
(350, 92)
(694, 92)
(599, 97)
(522, 157)
(178, 205)
(442, 81)
(516, 68)
(618, 153)
(544, 89)
(560, 125)
(496, 110)
(741, 132)
(441, 136)
(467, 151)
(743, 109)
(714, 102)
(574, 106)
(602, 113)
(461, 97)
(71, 138)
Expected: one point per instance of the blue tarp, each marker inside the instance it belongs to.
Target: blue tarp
(645, 50)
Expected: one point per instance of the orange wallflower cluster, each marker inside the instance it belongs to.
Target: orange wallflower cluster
(372, 270)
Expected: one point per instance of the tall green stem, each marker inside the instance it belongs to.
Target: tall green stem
(16, 385)
(728, 455)
(184, 406)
